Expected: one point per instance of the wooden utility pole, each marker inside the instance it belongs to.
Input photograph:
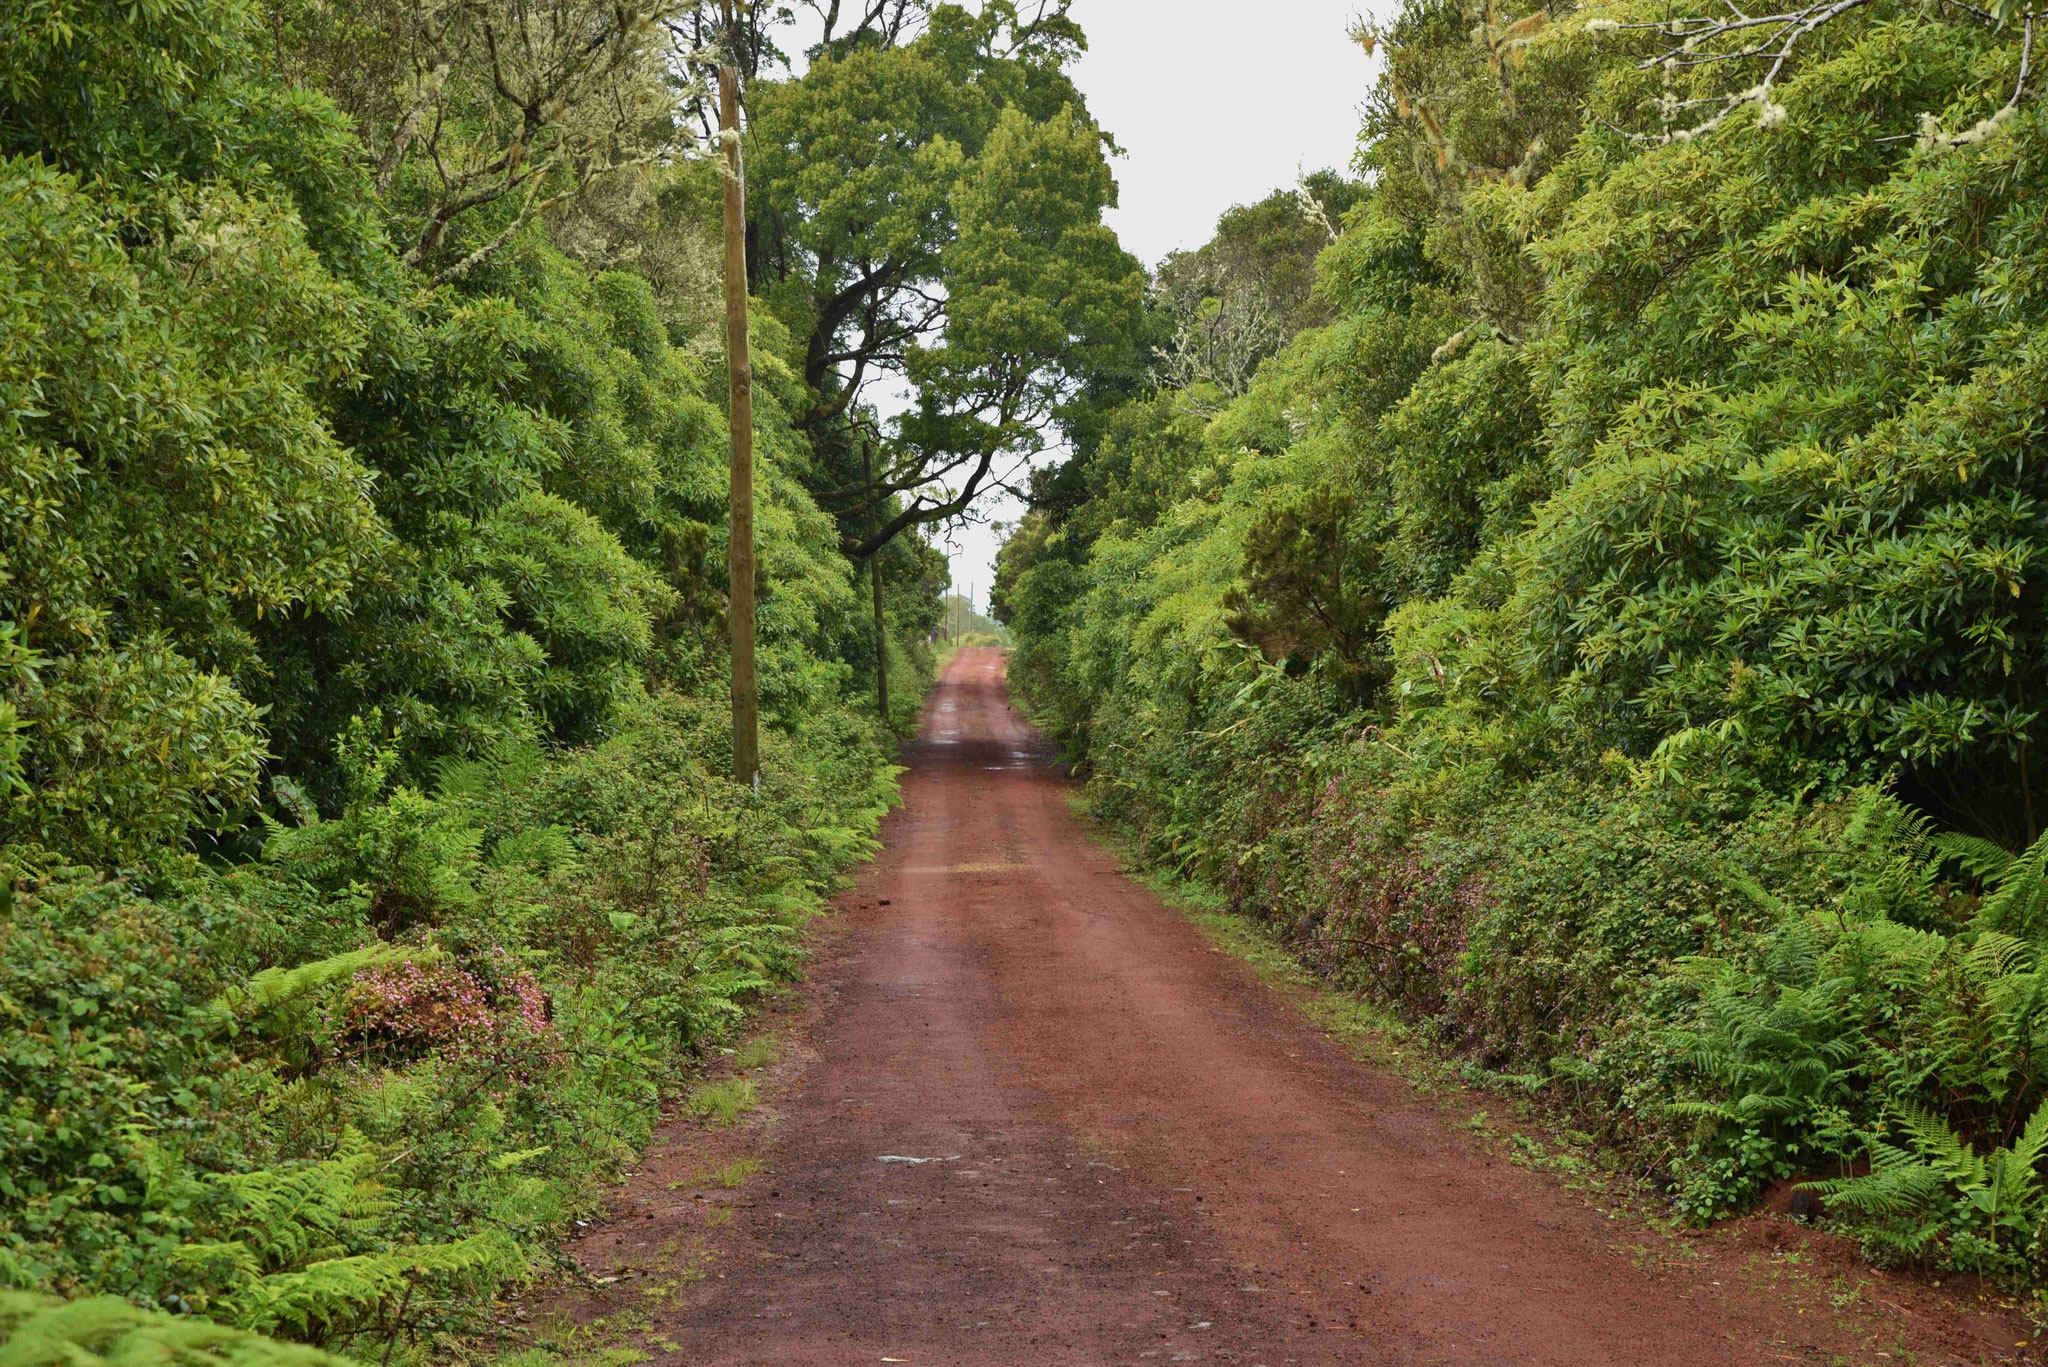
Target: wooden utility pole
(881, 641)
(867, 461)
(746, 684)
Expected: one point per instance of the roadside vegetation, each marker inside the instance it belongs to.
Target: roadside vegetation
(1577, 584)
(963, 626)
(369, 879)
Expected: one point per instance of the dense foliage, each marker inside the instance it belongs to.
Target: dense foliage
(367, 879)
(1578, 636)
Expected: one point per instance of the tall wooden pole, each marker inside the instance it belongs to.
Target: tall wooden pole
(746, 686)
(867, 464)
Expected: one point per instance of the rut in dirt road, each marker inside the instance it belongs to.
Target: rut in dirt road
(1128, 1150)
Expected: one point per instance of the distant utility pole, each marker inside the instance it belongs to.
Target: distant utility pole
(746, 684)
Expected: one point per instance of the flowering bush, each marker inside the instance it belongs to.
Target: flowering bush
(408, 1008)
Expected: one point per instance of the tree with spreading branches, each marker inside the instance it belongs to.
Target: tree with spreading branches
(481, 117)
(929, 218)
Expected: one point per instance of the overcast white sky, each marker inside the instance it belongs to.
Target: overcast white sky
(1215, 103)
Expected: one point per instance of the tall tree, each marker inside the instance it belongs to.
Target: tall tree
(930, 218)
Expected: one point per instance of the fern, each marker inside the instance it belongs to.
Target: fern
(1978, 856)
(505, 1162)
(338, 1292)
(1942, 1189)
(289, 1216)
(1996, 955)
(308, 1250)
(1898, 862)
(275, 987)
(2019, 897)
(1776, 1058)
(1898, 1184)
(106, 1331)
(512, 766)
(842, 845)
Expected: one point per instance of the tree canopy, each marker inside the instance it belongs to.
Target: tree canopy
(929, 216)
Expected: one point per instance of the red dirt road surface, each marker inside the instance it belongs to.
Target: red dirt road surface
(1028, 1115)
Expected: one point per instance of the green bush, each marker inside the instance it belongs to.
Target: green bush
(108, 1053)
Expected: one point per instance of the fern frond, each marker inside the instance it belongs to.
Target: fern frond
(1997, 955)
(1704, 1110)
(1978, 856)
(106, 1331)
(2017, 905)
(505, 1162)
(340, 1291)
(1793, 955)
(287, 1215)
(2032, 1145)
(1940, 1147)
(274, 987)
(1904, 1190)
(1882, 824)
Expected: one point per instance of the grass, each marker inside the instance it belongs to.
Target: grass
(560, 1342)
(721, 1103)
(757, 1052)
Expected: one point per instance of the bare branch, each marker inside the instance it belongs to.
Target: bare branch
(1785, 31)
(1933, 139)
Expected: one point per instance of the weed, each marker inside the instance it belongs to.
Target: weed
(721, 1103)
(736, 1173)
(758, 1052)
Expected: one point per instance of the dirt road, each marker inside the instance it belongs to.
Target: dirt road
(1128, 1150)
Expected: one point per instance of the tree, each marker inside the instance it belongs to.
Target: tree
(497, 111)
(1703, 60)
(1311, 589)
(1250, 289)
(930, 210)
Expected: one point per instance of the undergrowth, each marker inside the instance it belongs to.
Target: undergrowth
(348, 1093)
